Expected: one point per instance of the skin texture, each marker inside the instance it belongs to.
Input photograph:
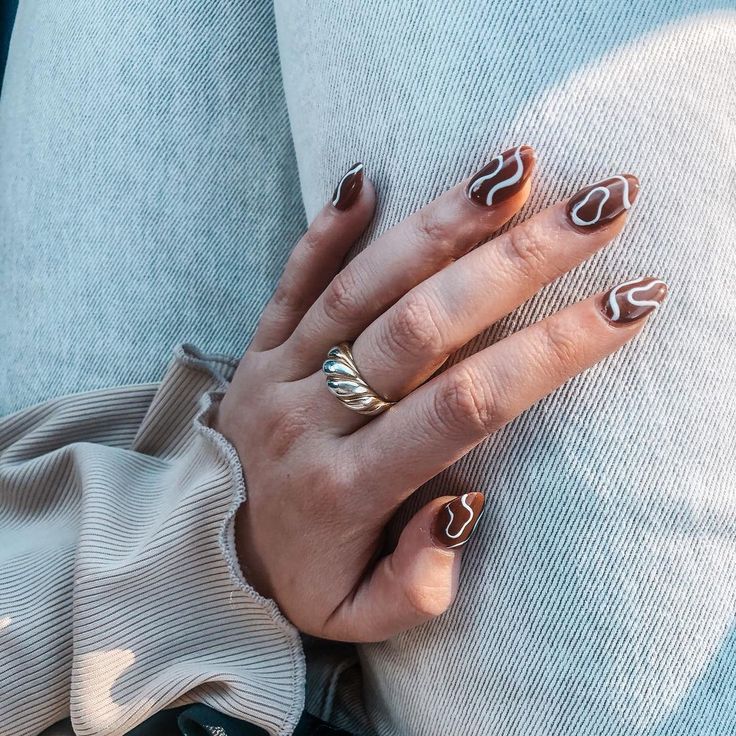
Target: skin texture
(323, 481)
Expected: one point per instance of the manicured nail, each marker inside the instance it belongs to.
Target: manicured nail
(633, 300)
(596, 205)
(457, 520)
(347, 191)
(503, 177)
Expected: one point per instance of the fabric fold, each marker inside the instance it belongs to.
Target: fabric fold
(121, 593)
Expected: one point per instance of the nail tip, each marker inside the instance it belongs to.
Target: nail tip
(662, 285)
(634, 186)
(504, 176)
(477, 496)
(349, 187)
(663, 290)
(527, 154)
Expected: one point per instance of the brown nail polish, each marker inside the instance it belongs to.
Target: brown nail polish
(632, 300)
(347, 191)
(457, 520)
(600, 203)
(503, 177)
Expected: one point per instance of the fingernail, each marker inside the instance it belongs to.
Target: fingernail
(633, 300)
(347, 191)
(457, 520)
(600, 203)
(503, 177)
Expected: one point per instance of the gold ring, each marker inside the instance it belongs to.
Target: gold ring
(345, 382)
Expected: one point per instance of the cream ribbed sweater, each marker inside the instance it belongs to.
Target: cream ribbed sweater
(121, 594)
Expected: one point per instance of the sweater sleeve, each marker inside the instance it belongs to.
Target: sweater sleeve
(120, 590)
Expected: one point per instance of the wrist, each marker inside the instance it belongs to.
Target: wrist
(250, 562)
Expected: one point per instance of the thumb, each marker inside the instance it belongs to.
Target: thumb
(418, 580)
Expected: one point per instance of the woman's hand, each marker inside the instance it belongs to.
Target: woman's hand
(323, 481)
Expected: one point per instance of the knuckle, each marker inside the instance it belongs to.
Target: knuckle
(287, 426)
(526, 251)
(560, 346)
(462, 402)
(325, 490)
(310, 247)
(282, 297)
(414, 328)
(340, 301)
(340, 473)
(285, 295)
(430, 228)
(339, 482)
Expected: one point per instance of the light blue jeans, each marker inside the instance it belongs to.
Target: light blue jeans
(149, 195)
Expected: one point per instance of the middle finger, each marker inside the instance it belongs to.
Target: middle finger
(424, 243)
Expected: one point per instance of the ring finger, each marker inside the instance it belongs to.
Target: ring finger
(446, 417)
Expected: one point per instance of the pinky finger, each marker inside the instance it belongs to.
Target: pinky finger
(439, 422)
(418, 581)
(317, 257)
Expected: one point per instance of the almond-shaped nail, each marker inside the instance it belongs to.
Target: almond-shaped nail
(458, 519)
(503, 177)
(598, 204)
(347, 191)
(633, 300)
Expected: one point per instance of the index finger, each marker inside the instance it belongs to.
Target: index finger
(424, 243)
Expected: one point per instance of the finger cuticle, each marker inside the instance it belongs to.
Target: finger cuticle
(457, 520)
(633, 300)
(503, 177)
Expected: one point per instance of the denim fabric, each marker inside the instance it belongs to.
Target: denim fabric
(148, 194)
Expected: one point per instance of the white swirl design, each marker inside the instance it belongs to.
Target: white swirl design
(606, 196)
(471, 515)
(630, 296)
(350, 173)
(508, 182)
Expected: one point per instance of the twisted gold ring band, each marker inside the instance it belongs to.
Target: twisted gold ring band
(345, 382)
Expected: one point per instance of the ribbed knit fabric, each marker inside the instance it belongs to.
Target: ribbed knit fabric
(120, 592)
(148, 194)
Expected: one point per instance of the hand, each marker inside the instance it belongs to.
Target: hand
(323, 481)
